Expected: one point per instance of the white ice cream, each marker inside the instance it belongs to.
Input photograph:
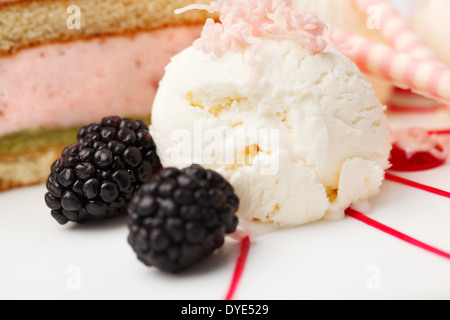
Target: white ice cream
(303, 143)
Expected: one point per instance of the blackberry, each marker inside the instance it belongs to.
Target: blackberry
(180, 217)
(96, 177)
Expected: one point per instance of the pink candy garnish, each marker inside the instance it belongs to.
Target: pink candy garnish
(243, 23)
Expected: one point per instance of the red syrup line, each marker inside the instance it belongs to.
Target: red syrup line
(439, 132)
(239, 269)
(408, 109)
(365, 219)
(416, 185)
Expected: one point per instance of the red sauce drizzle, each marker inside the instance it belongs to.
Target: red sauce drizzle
(239, 269)
(365, 219)
(441, 132)
(405, 109)
(416, 185)
(418, 161)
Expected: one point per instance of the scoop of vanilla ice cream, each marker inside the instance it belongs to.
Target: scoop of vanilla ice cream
(303, 142)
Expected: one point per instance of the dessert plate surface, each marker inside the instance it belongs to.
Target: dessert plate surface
(326, 260)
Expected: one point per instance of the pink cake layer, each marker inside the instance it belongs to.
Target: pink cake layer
(81, 81)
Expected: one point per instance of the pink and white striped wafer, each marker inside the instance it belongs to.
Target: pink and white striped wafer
(402, 69)
(396, 29)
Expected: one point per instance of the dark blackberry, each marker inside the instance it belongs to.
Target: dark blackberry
(97, 177)
(180, 217)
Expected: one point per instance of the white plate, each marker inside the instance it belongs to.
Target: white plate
(327, 260)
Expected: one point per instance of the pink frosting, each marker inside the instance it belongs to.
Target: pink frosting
(82, 81)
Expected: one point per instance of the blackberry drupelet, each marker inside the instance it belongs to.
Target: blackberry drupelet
(96, 177)
(180, 217)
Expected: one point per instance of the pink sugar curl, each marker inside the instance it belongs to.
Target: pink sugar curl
(210, 41)
(233, 37)
(318, 44)
(310, 27)
(242, 22)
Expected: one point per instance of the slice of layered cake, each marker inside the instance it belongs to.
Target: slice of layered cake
(68, 63)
